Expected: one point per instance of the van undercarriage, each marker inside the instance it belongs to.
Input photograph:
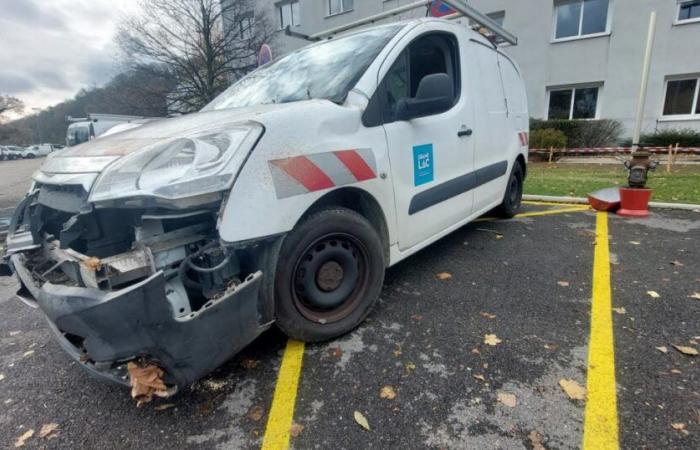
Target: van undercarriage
(152, 285)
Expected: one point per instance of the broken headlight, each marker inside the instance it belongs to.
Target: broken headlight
(187, 166)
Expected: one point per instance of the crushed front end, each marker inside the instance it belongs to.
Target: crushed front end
(139, 281)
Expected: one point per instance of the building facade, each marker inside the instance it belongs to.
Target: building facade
(581, 59)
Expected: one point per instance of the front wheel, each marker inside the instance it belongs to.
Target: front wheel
(514, 193)
(329, 275)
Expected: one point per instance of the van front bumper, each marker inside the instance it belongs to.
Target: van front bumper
(103, 330)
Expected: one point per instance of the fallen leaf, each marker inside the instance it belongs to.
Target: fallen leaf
(478, 376)
(443, 276)
(677, 263)
(676, 371)
(499, 236)
(2, 377)
(250, 363)
(28, 353)
(164, 406)
(678, 426)
(662, 349)
(410, 367)
(563, 283)
(620, 310)
(214, 385)
(336, 352)
(417, 317)
(690, 351)
(574, 390)
(635, 243)
(653, 294)
(47, 429)
(23, 439)
(397, 351)
(696, 295)
(491, 339)
(536, 440)
(255, 413)
(146, 381)
(296, 429)
(387, 392)
(361, 420)
(476, 351)
(550, 346)
(507, 399)
(488, 316)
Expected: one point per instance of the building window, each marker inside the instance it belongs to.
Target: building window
(339, 6)
(573, 103)
(497, 16)
(576, 18)
(689, 11)
(682, 97)
(245, 25)
(289, 14)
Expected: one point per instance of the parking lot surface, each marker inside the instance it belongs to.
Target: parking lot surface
(468, 347)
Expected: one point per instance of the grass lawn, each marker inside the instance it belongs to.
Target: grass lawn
(680, 186)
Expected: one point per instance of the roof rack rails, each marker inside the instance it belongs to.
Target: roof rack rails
(460, 6)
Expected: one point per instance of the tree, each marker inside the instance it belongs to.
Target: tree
(204, 44)
(10, 104)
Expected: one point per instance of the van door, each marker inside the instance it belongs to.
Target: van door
(431, 155)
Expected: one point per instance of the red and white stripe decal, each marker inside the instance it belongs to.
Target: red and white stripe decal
(303, 174)
(524, 139)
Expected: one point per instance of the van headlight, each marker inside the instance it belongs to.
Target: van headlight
(182, 167)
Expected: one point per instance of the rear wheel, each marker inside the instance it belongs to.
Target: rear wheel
(329, 275)
(514, 193)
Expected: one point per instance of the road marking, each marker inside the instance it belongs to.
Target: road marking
(536, 202)
(600, 430)
(282, 411)
(549, 212)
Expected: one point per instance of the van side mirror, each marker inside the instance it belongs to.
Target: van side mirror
(435, 94)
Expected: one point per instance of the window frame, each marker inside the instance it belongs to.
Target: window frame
(249, 19)
(288, 3)
(677, 20)
(694, 111)
(342, 8)
(555, 19)
(573, 89)
(374, 112)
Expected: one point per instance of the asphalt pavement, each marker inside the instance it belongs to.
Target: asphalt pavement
(466, 349)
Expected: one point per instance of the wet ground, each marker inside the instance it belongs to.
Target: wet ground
(526, 281)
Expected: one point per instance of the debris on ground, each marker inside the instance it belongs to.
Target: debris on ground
(164, 406)
(214, 385)
(696, 296)
(662, 349)
(387, 392)
(361, 420)
(335, 352)
(690, 351)
(491, 339)
(255, 413)
(23, 439)
(620, 310)
(507, 399)
(563, 283)
(296, 429)
(442, 276)
(146, 381)
(574, 390)
(48, 431)
(250, 363)
(536, 440)
(679, 426)
(479, 376)
(653, 294)
(488, 316)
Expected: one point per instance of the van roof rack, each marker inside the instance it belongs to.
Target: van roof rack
(460, 6)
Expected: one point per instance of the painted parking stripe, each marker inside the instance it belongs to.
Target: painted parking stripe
(548, 212)
(600, 431)
(279, 422)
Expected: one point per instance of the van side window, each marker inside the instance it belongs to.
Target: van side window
(435, 53)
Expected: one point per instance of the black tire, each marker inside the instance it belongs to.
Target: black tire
(30, 156)
(330, 273)
(514, 193)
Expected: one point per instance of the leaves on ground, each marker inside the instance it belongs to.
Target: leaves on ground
(488, 316)
(563, 283)
(164, 406)
(410, 367)
(536, 440)
(662, 349)
(653, 294)
(696, 296)
(479, 376)
(361, 420)
(574, 390)
(146, 381)
(387, 392)
(48, 430)
(28, 353)
(335, 352)
(680, 426)
(23, 439)
(296, 429)
(250, 363)
(620, 310)
(677, 263)
(397, 351)
(507, 399)
(255, 413)
(2, 376)
(635, 243)
(417, 317)
(443, 276)
(690, 351)
(491, 339)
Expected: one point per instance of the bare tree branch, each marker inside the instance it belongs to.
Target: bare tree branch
(10, 104)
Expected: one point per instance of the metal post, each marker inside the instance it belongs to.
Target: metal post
(645, 82)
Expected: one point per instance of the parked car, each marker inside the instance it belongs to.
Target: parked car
(34, 151)
(177, 243)
(13, 152)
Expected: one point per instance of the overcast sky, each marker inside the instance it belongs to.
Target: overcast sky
(49, 49)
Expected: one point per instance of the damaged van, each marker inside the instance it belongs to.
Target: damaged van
(177, 243)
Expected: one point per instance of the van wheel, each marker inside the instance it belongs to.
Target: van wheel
(329, 275)
(514, 193)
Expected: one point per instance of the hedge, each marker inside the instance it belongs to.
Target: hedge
(583, 133)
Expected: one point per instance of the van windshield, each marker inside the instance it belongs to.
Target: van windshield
(78, 135)
(322, 71)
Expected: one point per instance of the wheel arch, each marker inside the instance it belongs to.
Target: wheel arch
(520, 159)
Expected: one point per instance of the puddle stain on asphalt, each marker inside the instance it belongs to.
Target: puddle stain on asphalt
(666, 223)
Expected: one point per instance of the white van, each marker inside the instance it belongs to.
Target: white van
(282, 201)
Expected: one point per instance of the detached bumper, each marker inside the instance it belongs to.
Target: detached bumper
(102, 330)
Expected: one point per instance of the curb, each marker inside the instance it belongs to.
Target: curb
(661, 205)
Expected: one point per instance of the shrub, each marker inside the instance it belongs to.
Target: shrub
(583, 133)
(663, 138)
(546, 138)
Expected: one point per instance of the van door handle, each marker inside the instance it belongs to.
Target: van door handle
(467, 132)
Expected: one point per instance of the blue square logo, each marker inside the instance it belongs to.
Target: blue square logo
(422, 164)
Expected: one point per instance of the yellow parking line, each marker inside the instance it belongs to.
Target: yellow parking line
(600, 431)
(543, 203)
(550, 212)
(282, 411)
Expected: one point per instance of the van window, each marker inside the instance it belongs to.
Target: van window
(427, 55)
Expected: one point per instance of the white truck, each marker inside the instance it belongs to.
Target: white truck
(282, 202)
(93, 126)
